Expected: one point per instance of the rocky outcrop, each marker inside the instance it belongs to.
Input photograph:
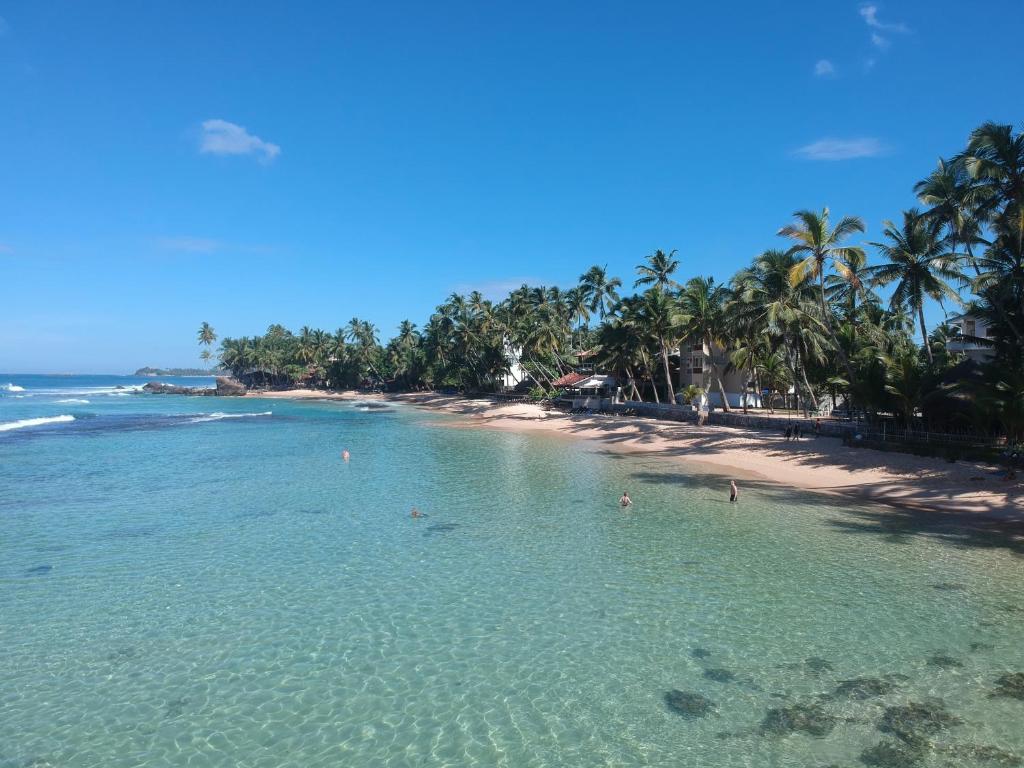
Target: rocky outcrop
(228, 387)
(159, 388)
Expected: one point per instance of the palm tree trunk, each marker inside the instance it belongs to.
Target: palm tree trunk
(924, 335)
(669, 398)
(721, 388)
(826, 315)
(650, 374)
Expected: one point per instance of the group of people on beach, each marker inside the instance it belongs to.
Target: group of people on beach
(794, 431)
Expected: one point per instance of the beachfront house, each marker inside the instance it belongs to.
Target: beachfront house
(695, 363)
(969, 329)
(587, 390)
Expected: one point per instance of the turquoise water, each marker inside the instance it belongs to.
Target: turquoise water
(204, 582)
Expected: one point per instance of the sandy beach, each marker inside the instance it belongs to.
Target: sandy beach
(822, 464)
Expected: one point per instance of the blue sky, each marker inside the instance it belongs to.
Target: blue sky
(166, 163)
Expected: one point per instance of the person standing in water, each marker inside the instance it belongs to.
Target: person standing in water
(734, 492)
(625, 501)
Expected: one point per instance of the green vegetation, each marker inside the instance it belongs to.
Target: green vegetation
(804, 320)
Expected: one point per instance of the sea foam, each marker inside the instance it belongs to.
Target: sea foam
(21, 424)
(11, 388)
(217, 416)
(73, 401)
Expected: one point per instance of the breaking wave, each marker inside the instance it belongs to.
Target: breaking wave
(11, 388)
(21, 424)
(217, 416)
(73, 401)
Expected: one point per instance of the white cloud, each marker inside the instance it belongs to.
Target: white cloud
(880, 42)
(824, 68)
(219, 137)
(186, 244)
(841, 149)
(869, 12)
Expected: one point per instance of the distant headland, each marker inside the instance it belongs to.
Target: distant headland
(177, 372)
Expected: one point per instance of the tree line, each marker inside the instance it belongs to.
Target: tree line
(803, 320)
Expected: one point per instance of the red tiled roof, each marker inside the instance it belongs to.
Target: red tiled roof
(569, 379)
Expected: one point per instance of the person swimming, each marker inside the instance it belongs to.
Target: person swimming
(416, 513)
(734, 492)
(625, 501)
(345, 455)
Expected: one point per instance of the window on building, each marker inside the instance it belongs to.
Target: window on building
(969, 327)
(697, 364)
(990, 331)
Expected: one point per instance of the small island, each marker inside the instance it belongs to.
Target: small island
(147, 371)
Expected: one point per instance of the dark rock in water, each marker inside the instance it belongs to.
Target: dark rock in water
(913, 722)
(228, 387)
(1011, 685)
(440, 528)
(39, 570)
(719, 675)
(689, 705)
(975, 647)
(808, 718)
(893, 754)
(983, 753)
(943, 661)
(818, 666)
(175, 707)
(700, 653)
(865, 687)
(947, 586)
(159, 388)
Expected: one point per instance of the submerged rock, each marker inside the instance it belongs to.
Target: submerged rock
(948, 586)
(39, 570)
(1011, 685)
(719, 675)
(913, 722)
(818, 666)
(808, 718)
(865, 687)
(700, 653)
(688, 704)
(943, 661)
(975, 647)
(984, 753)
(892, 754)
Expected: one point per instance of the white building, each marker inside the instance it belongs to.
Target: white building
(970, 327)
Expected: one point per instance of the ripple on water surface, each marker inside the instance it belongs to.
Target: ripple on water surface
(229, 592)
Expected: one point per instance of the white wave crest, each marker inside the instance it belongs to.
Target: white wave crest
(11, 388)
(73, 401)
(11, 425)
(217, 416)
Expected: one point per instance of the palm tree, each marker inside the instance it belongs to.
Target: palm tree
(600, 291)
(995, 160)
(662, 320)
(658, 270)
(818, 243)
(920, 263)
(206, 337)
(702, 305)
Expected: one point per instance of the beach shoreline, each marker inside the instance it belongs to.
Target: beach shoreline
(964, 489)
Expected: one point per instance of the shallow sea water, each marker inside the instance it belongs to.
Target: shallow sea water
(204, 582)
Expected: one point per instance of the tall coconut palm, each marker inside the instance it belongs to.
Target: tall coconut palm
(662, 320)
(920, 263)
(995, 159)
(819, 244)
(206, 337)
(600, 290)
(702, 309)
(658, 271)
